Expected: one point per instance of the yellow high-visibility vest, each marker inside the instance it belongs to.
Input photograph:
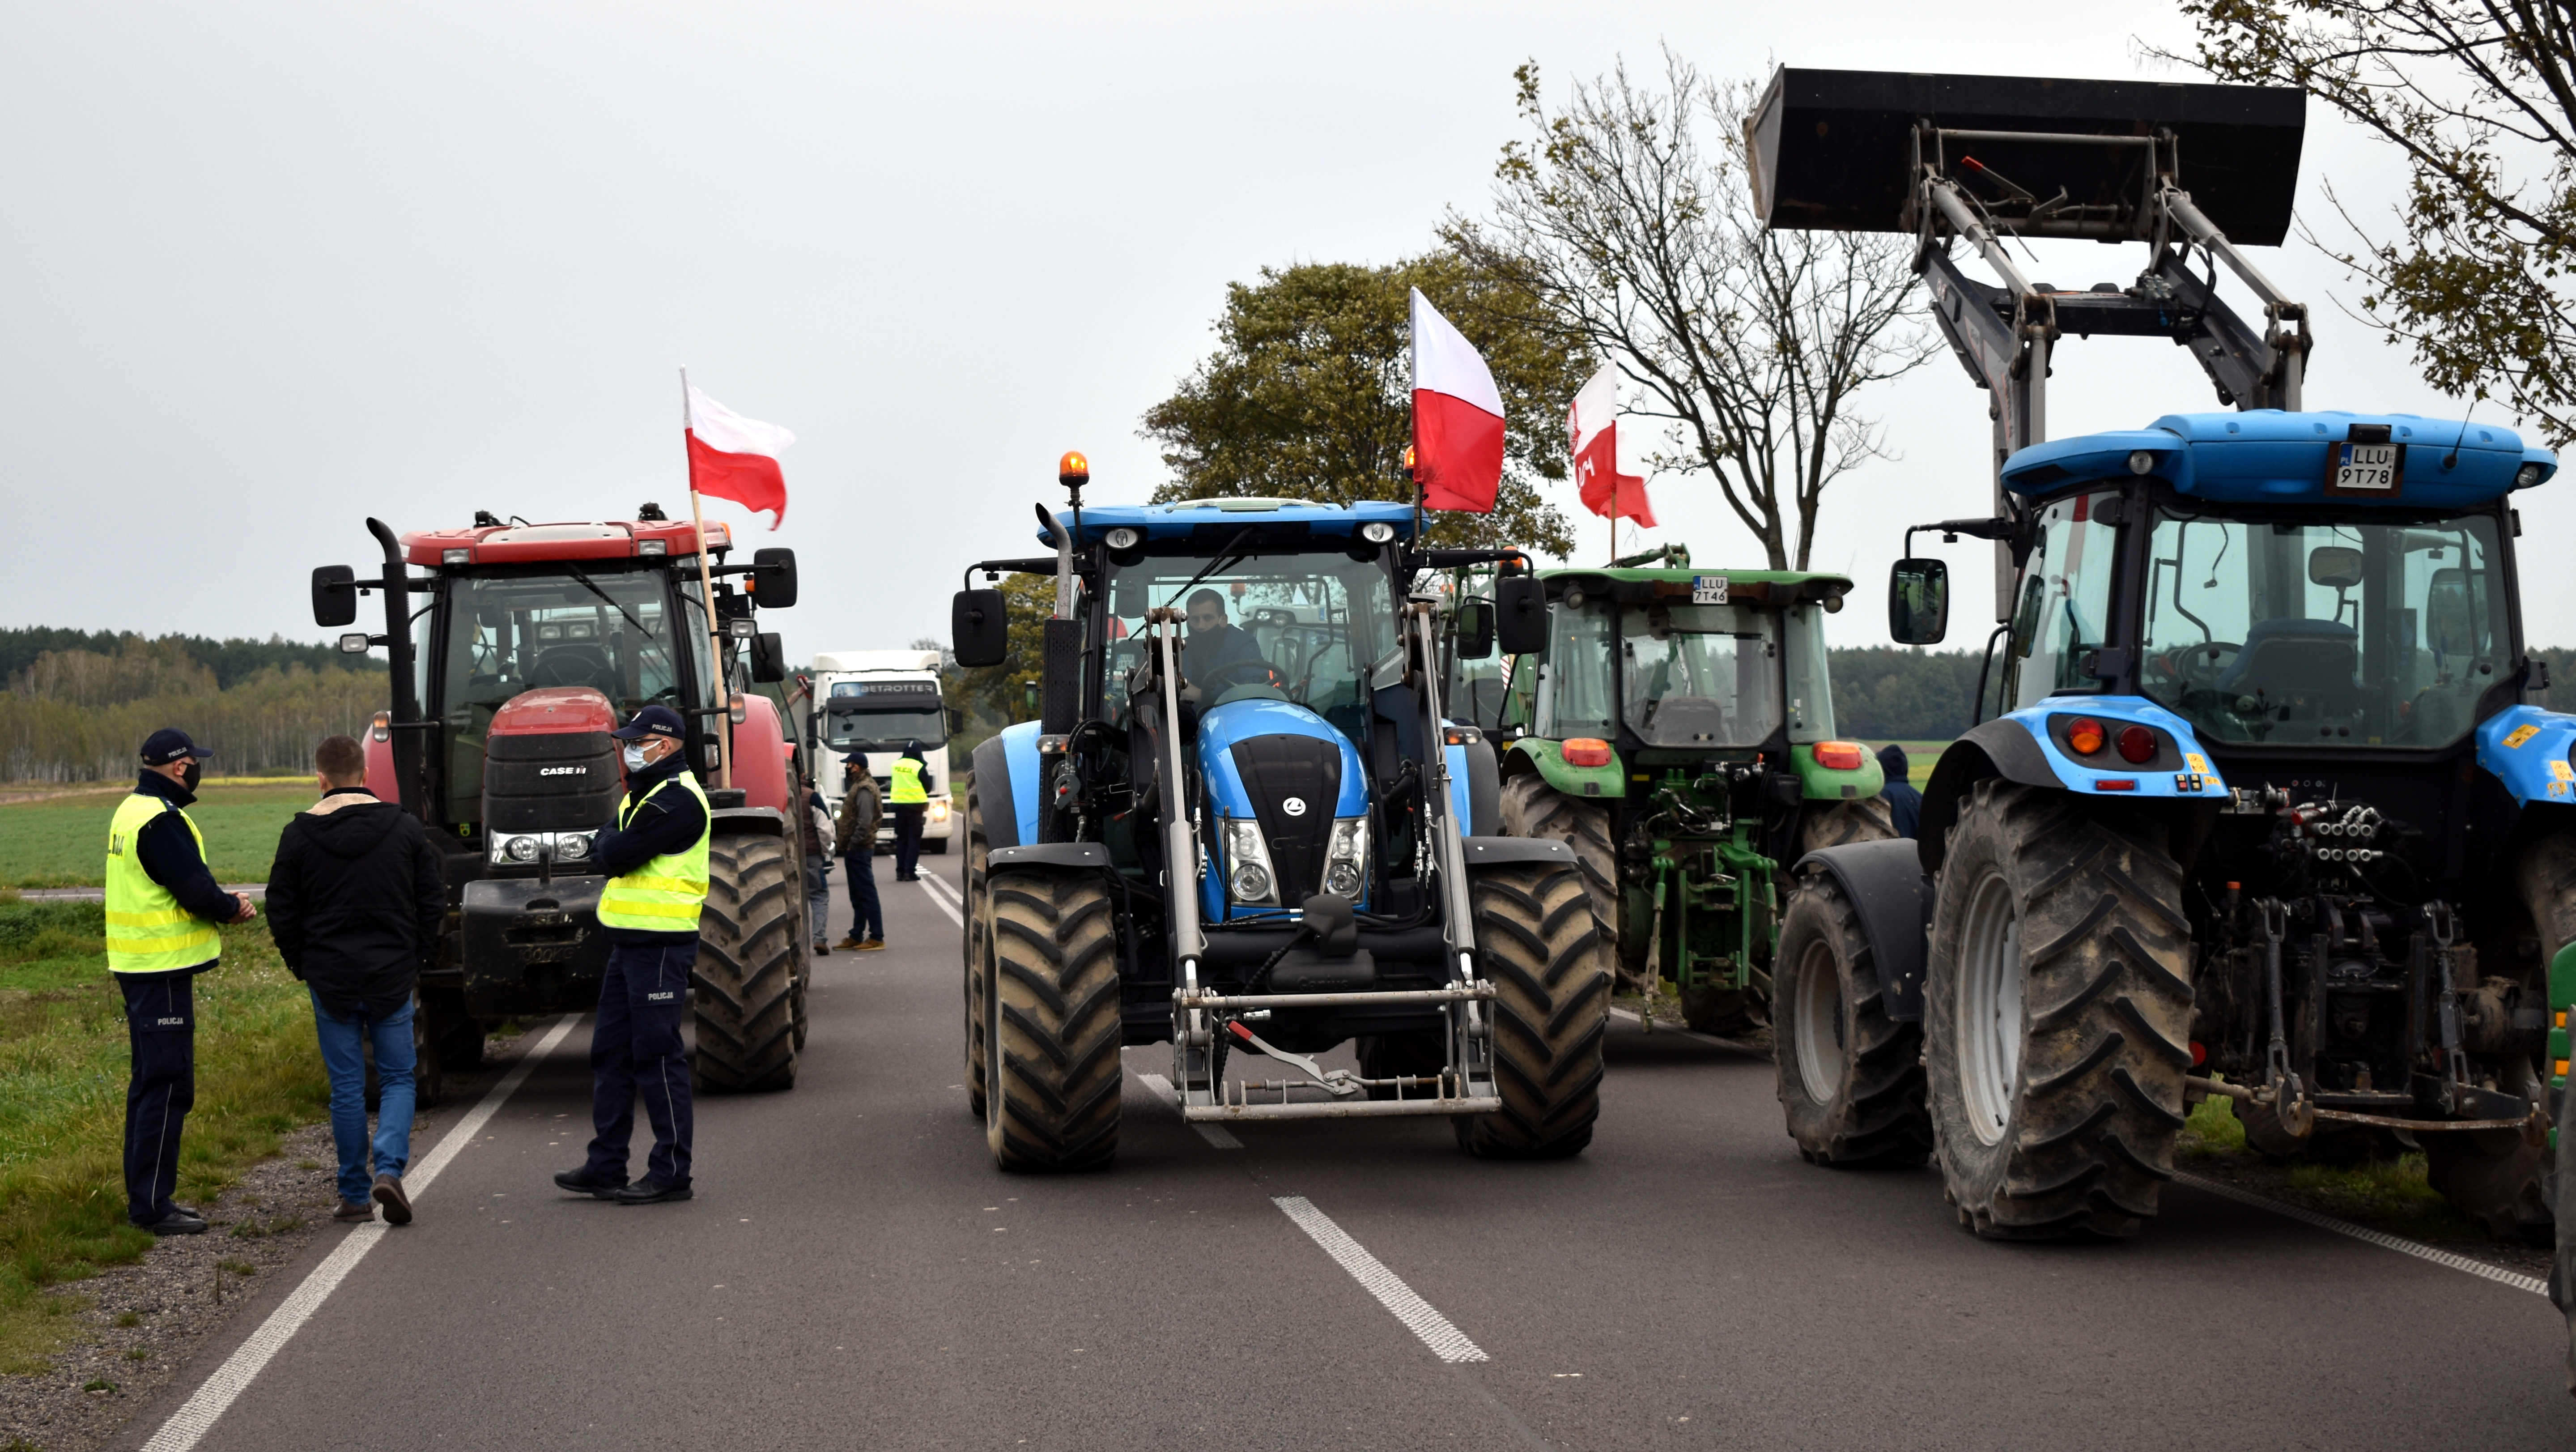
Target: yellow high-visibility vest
(147, 930)
(907, 790)
(665, 894)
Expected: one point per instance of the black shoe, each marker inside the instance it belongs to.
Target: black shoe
(389, 1193)
(651, 1192)
(580, 1182)
(174, 1223)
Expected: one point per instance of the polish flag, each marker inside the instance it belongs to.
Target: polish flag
(1457, 416)
(1594, 426)
(732, 457)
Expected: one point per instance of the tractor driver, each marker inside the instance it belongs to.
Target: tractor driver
(1217, 655)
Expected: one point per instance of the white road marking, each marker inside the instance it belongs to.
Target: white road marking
(1446, 1341)
(1215, 1134)
(2534, 1284)
(197, 1417)
(939, 894)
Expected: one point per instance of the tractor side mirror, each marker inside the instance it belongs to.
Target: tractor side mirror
(1475, 629)
(979, 628)
(768, 659)
(1918, 601)
(773, 578)
(335, 596)
(1520, 615)
(2337, 567)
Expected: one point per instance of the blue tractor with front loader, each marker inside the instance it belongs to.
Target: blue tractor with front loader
(2264, 805)
(1243, 826)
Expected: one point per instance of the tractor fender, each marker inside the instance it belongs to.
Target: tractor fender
(1547, 758)
(1889, 889)
(1006, 784)
(1496, 851)
(2023, 747)
(2527, 749)
(1092, 855)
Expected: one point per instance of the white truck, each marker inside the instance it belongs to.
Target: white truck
(875, 701)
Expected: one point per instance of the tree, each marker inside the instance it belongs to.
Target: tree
(1643, 246)
(1308, 394)
(2480, 96)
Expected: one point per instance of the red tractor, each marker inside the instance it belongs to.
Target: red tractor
(513, 656)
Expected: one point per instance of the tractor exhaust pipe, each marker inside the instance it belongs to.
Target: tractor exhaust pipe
(406, 703)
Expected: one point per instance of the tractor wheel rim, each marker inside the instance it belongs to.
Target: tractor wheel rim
(1990, 1027)
(1818, 1034)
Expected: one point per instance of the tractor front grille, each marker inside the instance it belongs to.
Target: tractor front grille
(1307, 770)
(555, 781)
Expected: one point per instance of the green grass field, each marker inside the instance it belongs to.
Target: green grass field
(63, 1057)
(62, 841)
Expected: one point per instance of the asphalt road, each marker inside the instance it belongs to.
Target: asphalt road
(855, 1274)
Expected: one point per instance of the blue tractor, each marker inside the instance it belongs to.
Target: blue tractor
(1243, 826)
(2263, 805)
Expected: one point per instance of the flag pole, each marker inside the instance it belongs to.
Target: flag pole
(707, 593)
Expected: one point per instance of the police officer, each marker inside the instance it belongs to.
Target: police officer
(907, 798)
(162, 904)
(655, 855)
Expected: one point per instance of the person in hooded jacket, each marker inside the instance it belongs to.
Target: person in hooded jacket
(356, 903)
(1904, 803)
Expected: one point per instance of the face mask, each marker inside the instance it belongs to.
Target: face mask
(634, 756)
(189, 777)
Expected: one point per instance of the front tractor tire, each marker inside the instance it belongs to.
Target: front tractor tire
(1538, 942)
(2056, 1017)
(751, 957)
(974, 951)
(1053, 1031)
(1851, 1078)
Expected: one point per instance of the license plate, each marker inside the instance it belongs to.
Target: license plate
(2365, 469)
(1708, 590)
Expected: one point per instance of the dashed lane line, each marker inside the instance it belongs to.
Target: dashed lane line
(198, 1415)
(1215, 1134)
(1445, 1340)
(939, 893)
(2534, 1284)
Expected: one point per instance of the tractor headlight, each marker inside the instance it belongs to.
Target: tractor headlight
(1122, 538)
(514, 849)
(572, 846)
(1377, 531)
(1346, 858)
(1248, 878)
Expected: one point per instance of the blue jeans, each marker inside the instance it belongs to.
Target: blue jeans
(343, 1055)
(866, 921)
(818, 895)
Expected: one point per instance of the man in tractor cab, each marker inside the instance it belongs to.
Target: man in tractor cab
(162, 905)
(655, 855)
(1214, 644)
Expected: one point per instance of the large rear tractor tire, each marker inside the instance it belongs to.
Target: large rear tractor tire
(2496, 1177)
(1532, 808)
(978, 964)
(750, 951)
(1538, 942)
(1051, 1050)
(1851, 1078)
(1837, 824)
(2056, 1013)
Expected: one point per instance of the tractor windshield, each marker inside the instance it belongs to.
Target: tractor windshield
(2324, 634)
(1292, 626)
(1699, 675)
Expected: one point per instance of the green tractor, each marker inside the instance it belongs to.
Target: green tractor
(1678, 732)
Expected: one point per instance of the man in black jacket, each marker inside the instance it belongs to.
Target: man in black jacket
(1904, 803)
(356, 902)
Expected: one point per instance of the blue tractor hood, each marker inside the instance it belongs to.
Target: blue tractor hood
(1284, 767)
(2266, 456)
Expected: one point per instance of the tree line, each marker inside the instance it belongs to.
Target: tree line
(78, 704)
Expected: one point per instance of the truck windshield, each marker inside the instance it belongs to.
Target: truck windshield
(1302, 627)
(1699, 675)
(2324, 634)
(883, 715)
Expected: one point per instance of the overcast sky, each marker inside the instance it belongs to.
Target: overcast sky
(267, 268)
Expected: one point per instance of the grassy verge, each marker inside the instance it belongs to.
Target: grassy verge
(62, 1121)
(2387, 1194)
(62, 842)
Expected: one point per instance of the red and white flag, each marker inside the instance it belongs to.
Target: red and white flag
(1594, 427)
(732, 457)
(1457, 416)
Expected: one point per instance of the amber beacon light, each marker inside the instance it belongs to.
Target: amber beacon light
(1073, 468)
